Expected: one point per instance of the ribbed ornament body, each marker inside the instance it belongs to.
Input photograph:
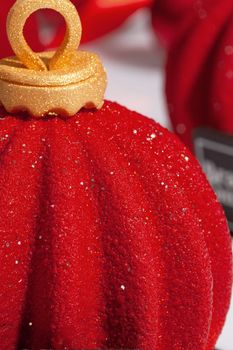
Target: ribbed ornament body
(110, 237)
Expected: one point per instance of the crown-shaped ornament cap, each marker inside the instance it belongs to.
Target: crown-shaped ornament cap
(61, 82)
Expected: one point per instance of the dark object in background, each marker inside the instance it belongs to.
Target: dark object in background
(215, 153)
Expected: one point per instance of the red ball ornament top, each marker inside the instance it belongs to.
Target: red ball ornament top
(61, 82)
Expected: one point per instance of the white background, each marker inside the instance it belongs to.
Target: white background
(135, 66)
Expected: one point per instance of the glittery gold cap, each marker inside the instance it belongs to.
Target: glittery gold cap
(60, 82)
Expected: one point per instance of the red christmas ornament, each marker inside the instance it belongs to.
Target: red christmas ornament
(111, 236)
(199, 70)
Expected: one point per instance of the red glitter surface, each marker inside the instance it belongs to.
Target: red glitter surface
(111, 237)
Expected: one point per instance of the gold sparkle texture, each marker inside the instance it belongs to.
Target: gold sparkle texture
(60, 82)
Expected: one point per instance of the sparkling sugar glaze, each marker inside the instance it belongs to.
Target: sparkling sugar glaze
(111, 237)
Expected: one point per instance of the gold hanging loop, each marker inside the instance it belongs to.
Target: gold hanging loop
(16, 20)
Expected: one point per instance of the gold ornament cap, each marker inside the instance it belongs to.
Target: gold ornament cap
(61, 82)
